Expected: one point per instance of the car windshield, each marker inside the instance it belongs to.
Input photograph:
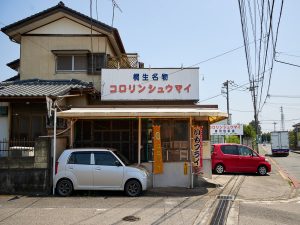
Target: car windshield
(122, 158)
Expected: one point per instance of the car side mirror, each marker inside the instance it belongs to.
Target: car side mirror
(117, 163)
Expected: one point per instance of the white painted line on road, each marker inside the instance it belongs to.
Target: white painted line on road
(297, 200)
(101, 209)
(170, 202)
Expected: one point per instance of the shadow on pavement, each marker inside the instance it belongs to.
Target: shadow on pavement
(295, 151)
(244, 174)
(277, 155)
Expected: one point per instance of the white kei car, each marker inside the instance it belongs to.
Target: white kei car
(98, 169)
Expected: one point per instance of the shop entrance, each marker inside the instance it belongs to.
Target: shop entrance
(121, 134)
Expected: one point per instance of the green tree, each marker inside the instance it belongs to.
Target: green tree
(249, 135)
(252, 123)
(249, 131)
(292, 138)
(266, 137)
(232, 139)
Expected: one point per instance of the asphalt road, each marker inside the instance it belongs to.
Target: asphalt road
(111, 209)
(269, 213)
(289, 164)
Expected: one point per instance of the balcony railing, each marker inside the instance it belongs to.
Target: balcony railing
(126, 61)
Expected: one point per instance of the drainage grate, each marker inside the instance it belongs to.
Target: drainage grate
(221, 211)
(131, 218)
(225, 197)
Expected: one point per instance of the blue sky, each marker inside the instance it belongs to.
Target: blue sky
(174, 33)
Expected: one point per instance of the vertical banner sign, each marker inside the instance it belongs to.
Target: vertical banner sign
(157, 151)
(197, 149)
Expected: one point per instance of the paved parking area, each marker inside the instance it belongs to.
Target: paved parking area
(102, 210)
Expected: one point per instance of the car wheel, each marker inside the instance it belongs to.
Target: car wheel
(219, 169)
(133, 188)
(64, 187)
(262, 170)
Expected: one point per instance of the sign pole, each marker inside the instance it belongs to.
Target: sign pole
(191, 156)
(139, 139)
(54, 151)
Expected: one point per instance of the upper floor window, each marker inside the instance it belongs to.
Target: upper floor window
(80, 61)
(71, 63)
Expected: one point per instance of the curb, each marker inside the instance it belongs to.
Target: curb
(284, 174)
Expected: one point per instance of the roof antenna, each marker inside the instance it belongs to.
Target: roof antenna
(115, 5)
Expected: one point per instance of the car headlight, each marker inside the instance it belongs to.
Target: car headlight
(144, 173)
(266, 160)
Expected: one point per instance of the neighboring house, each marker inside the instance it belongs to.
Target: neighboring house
(104, 96)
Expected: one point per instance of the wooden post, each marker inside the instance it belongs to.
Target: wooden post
(191, 156)
(72, 134)
(139, 140)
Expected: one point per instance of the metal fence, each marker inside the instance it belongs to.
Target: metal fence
(17, 148)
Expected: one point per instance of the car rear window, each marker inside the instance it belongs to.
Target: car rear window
(230, 149)
(83, 158)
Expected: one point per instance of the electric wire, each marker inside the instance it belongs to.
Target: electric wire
(274, 50)
(266, 54)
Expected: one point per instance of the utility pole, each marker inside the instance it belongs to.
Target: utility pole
(226, 85)
(274, 123)
(255, 113)
(282, 119)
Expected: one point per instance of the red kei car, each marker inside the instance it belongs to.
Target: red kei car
(238, 158)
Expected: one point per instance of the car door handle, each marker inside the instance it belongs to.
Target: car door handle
(98, 168)
(70, 167)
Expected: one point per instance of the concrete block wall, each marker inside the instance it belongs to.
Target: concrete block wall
(27, 174)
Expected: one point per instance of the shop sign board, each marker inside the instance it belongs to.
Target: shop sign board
(150, 84)
(236, 129)
(157, 151)
(197, 149)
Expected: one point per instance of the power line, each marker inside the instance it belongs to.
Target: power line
(266, 54)
(280, 120)
(292, 55)
(274, 53)
(291, 64)
(215, 96)
(283, 103)
(244, 111)
(115, 5)
(285, 96)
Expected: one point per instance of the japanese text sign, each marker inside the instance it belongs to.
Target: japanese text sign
(150, 84)
(197, 149)
(157, 151)
(236, 129)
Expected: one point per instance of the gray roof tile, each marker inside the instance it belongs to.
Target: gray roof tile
(40, 88)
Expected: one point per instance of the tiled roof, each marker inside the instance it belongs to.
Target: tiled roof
(40, 88)
(60, 7)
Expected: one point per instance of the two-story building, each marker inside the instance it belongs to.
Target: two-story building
(104, 97)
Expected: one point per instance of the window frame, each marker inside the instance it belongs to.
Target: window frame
(73, 153)
(222, 147)
(244, 147)
(73, 63)
(105, 153)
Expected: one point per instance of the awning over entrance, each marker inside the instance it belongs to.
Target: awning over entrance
(213, 115)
